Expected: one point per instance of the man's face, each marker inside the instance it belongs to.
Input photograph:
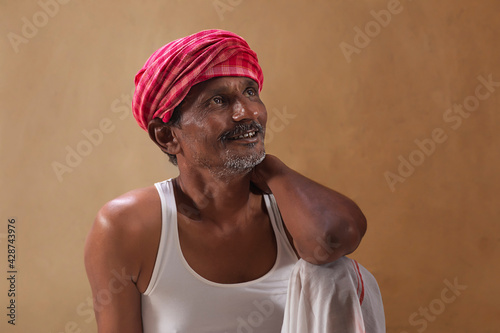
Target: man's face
(222, 126)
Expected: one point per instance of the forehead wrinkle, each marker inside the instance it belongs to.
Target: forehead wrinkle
(225, 84)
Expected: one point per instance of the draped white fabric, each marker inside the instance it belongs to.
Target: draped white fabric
(338, 297)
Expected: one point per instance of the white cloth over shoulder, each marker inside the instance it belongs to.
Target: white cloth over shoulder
(341, 296)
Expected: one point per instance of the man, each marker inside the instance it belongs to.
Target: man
(213, 250)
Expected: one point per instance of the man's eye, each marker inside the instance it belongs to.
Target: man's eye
(251, 92)
(218, 100)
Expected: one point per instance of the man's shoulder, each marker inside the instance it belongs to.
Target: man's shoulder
(132, 211)
(125, 233)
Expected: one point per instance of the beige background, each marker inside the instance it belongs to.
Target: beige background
(348, 122)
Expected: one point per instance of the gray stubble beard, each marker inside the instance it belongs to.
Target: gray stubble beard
(239, 165)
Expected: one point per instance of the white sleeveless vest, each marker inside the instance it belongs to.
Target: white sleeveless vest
(179, 300)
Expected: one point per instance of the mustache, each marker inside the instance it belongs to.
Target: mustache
(241, 129)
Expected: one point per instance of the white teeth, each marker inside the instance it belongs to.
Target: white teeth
(246, 135)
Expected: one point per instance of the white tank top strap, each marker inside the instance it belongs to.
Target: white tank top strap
(279, 228)
(169, 215)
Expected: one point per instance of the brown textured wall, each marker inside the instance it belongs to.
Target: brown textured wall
(381, 117)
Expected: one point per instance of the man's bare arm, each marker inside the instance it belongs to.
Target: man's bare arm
(112, 265)
(324, 224)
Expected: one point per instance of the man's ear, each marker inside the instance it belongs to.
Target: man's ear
(163, 136)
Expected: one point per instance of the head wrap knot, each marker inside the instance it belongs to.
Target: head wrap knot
(172, 70)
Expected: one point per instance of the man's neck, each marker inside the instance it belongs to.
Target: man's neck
(204, 196)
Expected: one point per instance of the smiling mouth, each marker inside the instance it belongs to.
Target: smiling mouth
(245, 132)
(244, 136)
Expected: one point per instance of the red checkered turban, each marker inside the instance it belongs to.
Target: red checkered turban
(173, 69)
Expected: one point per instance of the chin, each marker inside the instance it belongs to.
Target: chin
(244, 162)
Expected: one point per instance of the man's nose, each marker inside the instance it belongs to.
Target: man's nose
(243, 111)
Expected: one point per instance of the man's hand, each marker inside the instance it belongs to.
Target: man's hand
(263, 172)
(324, 224)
